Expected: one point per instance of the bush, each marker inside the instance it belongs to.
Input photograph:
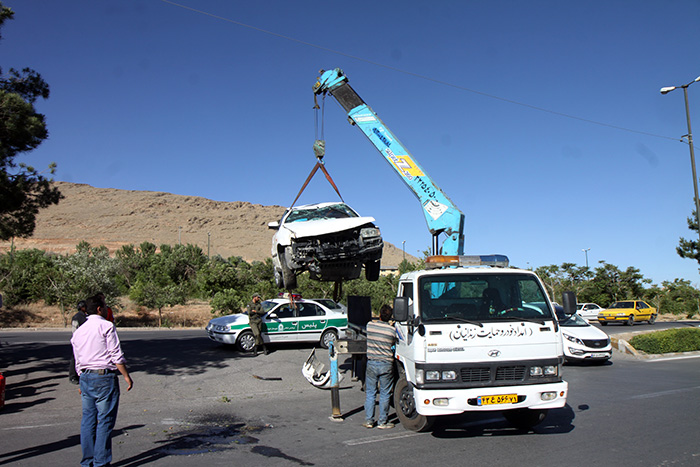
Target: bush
(670, 340)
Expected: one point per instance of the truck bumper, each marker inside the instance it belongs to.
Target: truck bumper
(432, 402)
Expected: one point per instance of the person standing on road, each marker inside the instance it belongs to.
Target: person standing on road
(99, 359)
(255, 314)
(75, 322)
(381, 340)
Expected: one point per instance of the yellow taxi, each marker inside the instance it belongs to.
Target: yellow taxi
(627, 311)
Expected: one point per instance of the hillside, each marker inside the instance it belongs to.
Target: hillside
(111, 217)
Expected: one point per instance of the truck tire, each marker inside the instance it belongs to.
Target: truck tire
(246, 341)
(405, 407)
(372, 269)
(525, 418)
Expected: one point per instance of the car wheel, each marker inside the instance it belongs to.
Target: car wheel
(288, 277)
(246, 341)
(279, 281)
(327, 337)
(652, 320)
(372, 269)
(406, 408)
(604, 323)
(630, 320)
(525, 418)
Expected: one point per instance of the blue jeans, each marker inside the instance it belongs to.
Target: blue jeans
(100, 397)
(382, 373)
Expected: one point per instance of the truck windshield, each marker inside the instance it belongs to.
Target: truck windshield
(482, 297)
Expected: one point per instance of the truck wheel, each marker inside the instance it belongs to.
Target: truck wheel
(525, 418)
(406, 408)
(327, 337)
(245, 341)
(630, 320)
(372, 269)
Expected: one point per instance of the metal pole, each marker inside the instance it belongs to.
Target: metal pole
(336, 415)
(403, 247)
(585, 250)
(692, 160)
(208, 243)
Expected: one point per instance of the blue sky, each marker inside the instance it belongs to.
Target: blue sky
(541, 120)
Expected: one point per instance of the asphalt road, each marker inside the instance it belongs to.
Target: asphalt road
(197, 402)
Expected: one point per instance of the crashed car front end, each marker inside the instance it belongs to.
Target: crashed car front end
(337, 255)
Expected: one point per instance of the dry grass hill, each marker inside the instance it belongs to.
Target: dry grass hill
(111, 217)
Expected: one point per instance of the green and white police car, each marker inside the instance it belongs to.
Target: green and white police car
(284, 321)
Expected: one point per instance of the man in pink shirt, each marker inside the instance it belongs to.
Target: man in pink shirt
(98, 360)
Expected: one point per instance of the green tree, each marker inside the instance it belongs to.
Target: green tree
(23, 189)
(689, 248)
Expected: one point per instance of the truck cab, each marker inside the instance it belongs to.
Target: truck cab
(476, 339)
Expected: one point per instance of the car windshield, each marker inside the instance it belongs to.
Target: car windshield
(268, 305)
(622, 305)
(482, 297)
(570, 321)
(332, 211)
(579, 306)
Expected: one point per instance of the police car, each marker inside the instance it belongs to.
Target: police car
(286, 320)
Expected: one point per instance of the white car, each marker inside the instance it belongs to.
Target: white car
(588, 311)
(330, 240)
(284, 321)
(582, 342)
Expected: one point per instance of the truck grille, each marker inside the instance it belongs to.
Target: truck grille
(503, 374)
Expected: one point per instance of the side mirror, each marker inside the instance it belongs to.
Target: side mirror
(401, 309)
(274, 225)
(272, 316)
(568, 300)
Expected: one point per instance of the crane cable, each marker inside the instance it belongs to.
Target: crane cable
(320, 151)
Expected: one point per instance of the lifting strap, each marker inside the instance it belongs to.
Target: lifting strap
(319, 165)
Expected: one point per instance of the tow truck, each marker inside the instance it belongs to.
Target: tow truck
(473, 334)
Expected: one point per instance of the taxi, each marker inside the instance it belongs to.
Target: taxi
(286, 320)
(628, 312)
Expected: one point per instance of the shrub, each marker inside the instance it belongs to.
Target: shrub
(670, 340)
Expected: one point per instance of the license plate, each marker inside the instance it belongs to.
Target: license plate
(599, 355)
(500, 399)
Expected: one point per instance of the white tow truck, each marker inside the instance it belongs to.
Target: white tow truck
(476, 336)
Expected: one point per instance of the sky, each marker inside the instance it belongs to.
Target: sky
(541, 120)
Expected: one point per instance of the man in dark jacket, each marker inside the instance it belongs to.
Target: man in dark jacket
(255, 314)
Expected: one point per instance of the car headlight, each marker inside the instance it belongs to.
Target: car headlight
(369, 232)
(573, 339)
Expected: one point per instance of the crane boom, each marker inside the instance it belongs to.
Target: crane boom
(441, 214)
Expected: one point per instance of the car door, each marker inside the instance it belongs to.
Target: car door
(280, 324)
(643, 311)
(312, 321)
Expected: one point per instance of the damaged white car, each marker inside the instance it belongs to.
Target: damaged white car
(330, 240)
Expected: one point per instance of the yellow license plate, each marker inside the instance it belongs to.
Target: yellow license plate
(500, 399)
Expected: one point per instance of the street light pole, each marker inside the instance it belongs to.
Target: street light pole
(666, 90)
(585, 250)
(403, 247)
